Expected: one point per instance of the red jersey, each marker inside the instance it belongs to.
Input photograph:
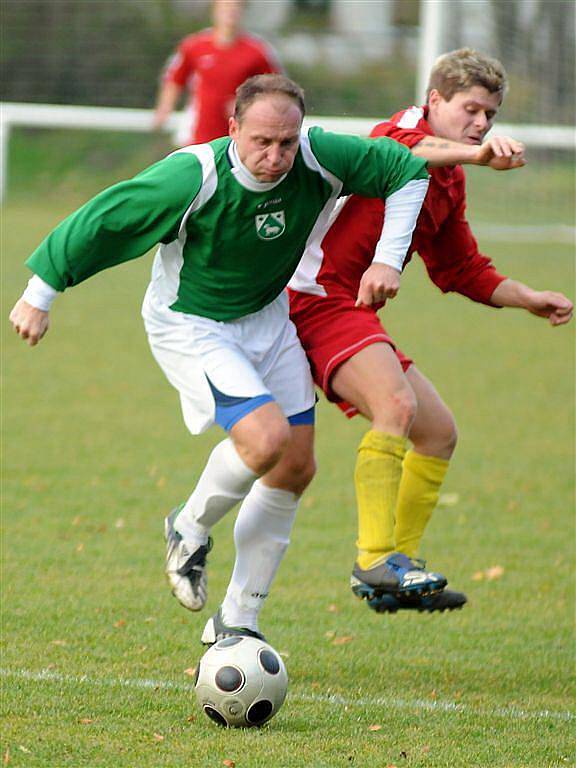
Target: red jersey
(212, 73)
(442, 236)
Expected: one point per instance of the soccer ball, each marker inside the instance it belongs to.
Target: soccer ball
(241, 682)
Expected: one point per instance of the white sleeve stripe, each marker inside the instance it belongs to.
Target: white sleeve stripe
(411, 117)
(304, 279)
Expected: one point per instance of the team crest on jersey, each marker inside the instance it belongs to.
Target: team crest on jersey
(269, 226)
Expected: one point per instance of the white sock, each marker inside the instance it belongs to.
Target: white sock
(261, 535)
(224, 482)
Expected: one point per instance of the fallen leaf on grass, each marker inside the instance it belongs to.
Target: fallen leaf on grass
(495, 572)
(229, 763)
(374, 727)
(58, 642)
(6, 759)
(343, 640)
(490, 574)
(426, 749)
(157, 737)
(80, 547)
(191, 719)
(86, 720)
(433, 694)
(330, 634)
(161, 482)
(448, 499)
(120, 623)
(478, 576)
(76, 520)
(191, 671)
(119, 523)
(24, 749)
(333, 608)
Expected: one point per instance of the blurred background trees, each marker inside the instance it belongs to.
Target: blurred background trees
(356, 57)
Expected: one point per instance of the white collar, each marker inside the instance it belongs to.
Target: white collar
(243, 175)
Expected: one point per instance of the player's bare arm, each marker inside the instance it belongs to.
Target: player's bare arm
(167, 101)
(554, 306)
(30, 323)
(501, 153)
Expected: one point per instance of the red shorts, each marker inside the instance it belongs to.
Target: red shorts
(332, 330)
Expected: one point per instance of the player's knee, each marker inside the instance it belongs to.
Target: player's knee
(443, 437)
(267, 450)
(401, 408)
(300, 472)
(449, 435)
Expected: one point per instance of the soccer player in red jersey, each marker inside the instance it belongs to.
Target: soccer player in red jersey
(211, 65)
(357, 364)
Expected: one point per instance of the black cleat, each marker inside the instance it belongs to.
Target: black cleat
(447, 600)
(396, 574)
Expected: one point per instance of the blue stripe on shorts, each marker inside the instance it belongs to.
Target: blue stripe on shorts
(230, 409)
(304, 417)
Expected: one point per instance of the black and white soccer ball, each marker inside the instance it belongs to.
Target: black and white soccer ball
(241, 682)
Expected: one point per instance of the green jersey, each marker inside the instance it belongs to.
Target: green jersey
(228, 244)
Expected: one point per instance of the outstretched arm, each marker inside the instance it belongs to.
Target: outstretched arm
(500, 153)
(549, 304)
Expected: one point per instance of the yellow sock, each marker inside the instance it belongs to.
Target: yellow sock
(377, 477)
(418, 495)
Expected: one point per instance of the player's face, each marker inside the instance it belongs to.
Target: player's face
(268, 136)
(227, 14)
(467, 117)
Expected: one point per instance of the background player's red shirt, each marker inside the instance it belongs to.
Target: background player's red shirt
(442, 236)
(212, 74)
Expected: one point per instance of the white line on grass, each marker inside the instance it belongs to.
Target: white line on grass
(510, 713)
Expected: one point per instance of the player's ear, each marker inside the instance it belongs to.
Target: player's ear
(434, 98)
(233, 127)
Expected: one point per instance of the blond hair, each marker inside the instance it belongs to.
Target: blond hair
(464, 68)
(265, 85)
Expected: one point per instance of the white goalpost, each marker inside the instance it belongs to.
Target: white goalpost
(140, 120)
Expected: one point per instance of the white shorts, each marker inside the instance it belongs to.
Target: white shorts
(259, 354)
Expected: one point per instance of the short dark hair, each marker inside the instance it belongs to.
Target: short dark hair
(263, 85)
(464, 68)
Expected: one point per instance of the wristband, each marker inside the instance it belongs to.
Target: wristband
(39, 294)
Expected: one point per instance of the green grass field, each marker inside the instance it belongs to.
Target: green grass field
(94, 649)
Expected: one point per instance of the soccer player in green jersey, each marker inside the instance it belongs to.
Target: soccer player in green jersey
(233, 218)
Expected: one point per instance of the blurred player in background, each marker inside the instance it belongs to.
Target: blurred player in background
(359, 366)
(210, 65)
(232, 218)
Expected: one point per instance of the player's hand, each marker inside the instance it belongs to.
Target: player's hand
(29, 323)
(378, 283)
(501, 153)
(555, 306)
